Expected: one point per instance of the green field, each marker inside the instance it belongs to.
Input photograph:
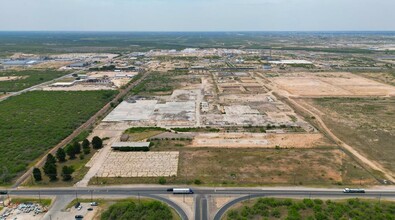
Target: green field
(27, 78)
(163, 83)
(34, 122)
(311, 209)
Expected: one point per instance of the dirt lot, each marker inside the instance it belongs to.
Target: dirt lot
(331, 84)
(366, 124)
(259, 140)
(229, 167)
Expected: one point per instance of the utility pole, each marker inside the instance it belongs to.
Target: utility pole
(138, 195)
(380, 198)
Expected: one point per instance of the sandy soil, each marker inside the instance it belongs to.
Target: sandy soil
(10, 78)
(258, 140)
(331, 84)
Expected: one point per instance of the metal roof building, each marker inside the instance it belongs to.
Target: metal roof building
(131, 146)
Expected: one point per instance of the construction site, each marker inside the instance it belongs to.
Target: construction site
(212, 107)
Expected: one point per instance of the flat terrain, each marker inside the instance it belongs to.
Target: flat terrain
(26, 78)
(270, 208)
(331, 84)
(139, 164)
(366, 124)
(222, 166)
(256, 140)
(34, 122)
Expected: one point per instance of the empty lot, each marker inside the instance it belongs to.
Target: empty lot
(331, 84)
(259, 140)
(367, 124)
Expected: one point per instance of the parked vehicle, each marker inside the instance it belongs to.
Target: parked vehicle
(77, 205)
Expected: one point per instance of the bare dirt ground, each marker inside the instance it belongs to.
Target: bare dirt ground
(259, 140)
(331, 84)
(10, 78)
(367, 124)
(370, 163)
(312, 112)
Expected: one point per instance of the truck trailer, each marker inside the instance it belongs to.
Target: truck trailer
(182, 191)
(348, 190)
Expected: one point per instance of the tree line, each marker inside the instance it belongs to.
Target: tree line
(69, 152)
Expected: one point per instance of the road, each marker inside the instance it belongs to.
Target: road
(201, 195)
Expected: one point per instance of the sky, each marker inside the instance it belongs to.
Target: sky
(197, 15)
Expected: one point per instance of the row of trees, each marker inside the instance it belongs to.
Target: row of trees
(50, 167)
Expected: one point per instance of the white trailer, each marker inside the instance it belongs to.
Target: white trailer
(182, 191)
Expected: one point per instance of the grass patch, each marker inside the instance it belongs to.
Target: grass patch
(79, 172)
(28, 78)
(199, 129)
(270, 208)
(368, 124)
(163, 83)
(143, 209)
(142, 133)
(34, 122)
(43, 202)
(253, 167)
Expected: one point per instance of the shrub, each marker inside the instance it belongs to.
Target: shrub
(197, 182)
(162, 181)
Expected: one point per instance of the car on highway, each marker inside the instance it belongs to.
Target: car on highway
(169, 190)
(348, 190)
(3, 192)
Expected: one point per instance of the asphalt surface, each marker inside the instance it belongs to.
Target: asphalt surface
(201, 201)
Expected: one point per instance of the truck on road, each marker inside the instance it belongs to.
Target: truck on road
(348, 190)
(182, 191)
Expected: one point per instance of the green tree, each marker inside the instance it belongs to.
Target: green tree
(37, 174)
(51, 171)
(51, 159)
(86, 146)
(66, 172)
(61, 155)
(70, 151)
(97, 142)
(77, 147)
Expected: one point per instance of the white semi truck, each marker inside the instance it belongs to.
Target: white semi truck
(348, 190)
(182, 191)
